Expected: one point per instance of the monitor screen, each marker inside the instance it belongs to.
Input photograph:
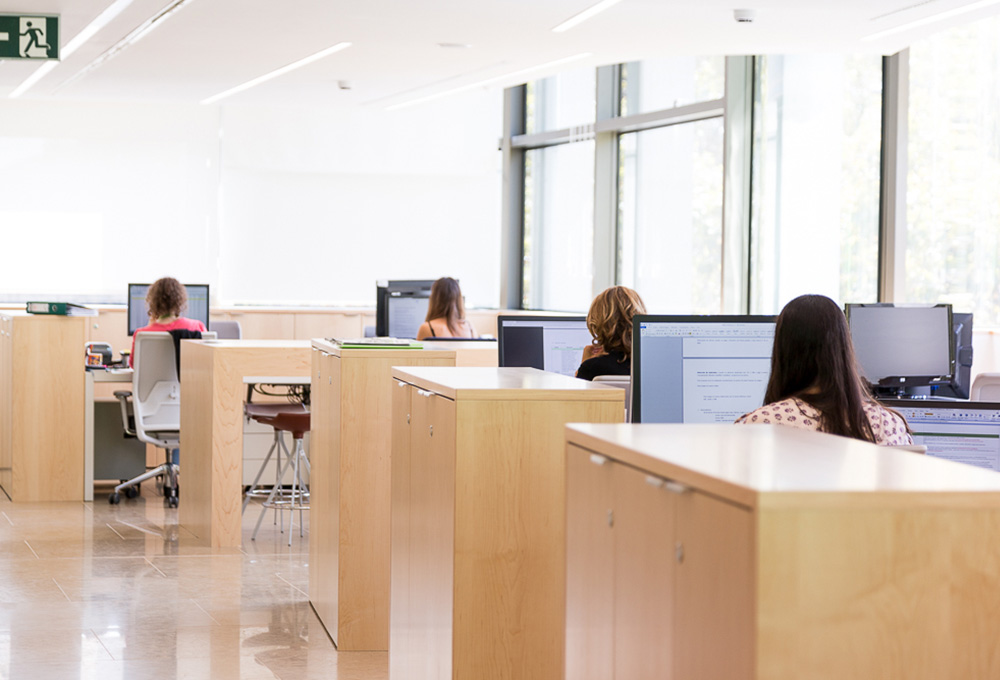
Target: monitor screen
(699, 369)
(138, 312)
(400, 307)
(900, 346)
(549, 343)
(961, 431)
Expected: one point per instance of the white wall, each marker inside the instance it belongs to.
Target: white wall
(272, 206)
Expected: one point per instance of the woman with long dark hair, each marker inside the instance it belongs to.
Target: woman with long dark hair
(815, 383)
(446, 313)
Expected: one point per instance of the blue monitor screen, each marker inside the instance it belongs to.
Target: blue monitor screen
(138, 312)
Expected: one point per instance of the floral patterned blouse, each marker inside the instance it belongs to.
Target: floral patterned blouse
(888, 427)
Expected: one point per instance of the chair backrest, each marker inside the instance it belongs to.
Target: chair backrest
(986, 387)
(624, 382)
(227, 330)
(156, 389)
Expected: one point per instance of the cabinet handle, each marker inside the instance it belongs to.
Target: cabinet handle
(401, 383)
(655, 481)
(431, 430)
(679, 552)
(407, 418)
(611, 518)
(425, 393)
(598, 459)
(674, 487)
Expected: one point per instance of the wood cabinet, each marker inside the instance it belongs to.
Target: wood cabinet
(653, 567)
(478, 519)
(351, 489)
(42, 407)
(766, 552)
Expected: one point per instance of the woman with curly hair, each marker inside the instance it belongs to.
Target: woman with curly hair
(610, 323)
(166, 299)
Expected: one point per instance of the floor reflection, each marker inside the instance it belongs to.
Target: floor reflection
(91, 590)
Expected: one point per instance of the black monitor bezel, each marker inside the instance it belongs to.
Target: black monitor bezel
(896, 383)
(501, 318)
(675, 318)
(128, 304)
(418, 288)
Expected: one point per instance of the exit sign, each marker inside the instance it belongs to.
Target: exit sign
(29, 36)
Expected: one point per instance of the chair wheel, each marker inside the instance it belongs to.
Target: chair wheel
(132, 492)
(114, 499)
(172, 501)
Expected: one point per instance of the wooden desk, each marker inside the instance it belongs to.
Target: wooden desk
(715, 551)
(350, 488)
(470, 353)
(212, 394)
(478, 511)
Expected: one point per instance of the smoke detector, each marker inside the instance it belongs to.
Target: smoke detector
(744, 16)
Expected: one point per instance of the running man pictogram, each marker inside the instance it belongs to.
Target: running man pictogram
(35, 37)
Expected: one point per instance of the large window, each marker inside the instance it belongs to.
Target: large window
(657, 84)
(670, 216)
(562, 101)
(816, 164)
(953, 179)
(558, 227)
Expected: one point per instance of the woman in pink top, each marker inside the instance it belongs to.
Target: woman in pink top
(815, 383)
(166, 299)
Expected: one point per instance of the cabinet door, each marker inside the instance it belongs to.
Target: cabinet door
(432, 534)
(590, 568)
(324, 498)
(644, 517)
(402, 648)
(714, 586)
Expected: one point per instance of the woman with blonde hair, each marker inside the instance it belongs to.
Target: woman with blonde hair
(446, 313)
(610, 322)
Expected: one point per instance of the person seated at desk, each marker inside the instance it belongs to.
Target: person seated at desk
(166, 299)
(815, 383)
(610, 322)
(446, 313)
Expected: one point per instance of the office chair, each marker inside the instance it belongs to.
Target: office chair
(986, 387)
(152, 410)
(624, 382)
(227, 330)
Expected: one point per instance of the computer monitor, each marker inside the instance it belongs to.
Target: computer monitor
(961, 431)
(699, 369)
(549, 343)
(400, 307)
(960, 384)
(902, 346)
(138, 312)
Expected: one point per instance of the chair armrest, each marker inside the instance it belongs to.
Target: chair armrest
(124, 398)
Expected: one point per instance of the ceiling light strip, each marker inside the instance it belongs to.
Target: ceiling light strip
(277, 72)
(489, 81)
(88, 32)
(140, 32)
(591, 11)
(932, 19)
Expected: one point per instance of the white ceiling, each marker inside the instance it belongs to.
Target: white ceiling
(209, 46)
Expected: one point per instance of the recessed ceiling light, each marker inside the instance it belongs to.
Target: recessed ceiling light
(934, 18)
(454, 45)
(591, 11)
(278, 72)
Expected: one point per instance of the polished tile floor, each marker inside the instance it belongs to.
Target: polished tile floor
(91, 590)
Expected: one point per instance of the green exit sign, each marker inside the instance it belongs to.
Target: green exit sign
(29, 36)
